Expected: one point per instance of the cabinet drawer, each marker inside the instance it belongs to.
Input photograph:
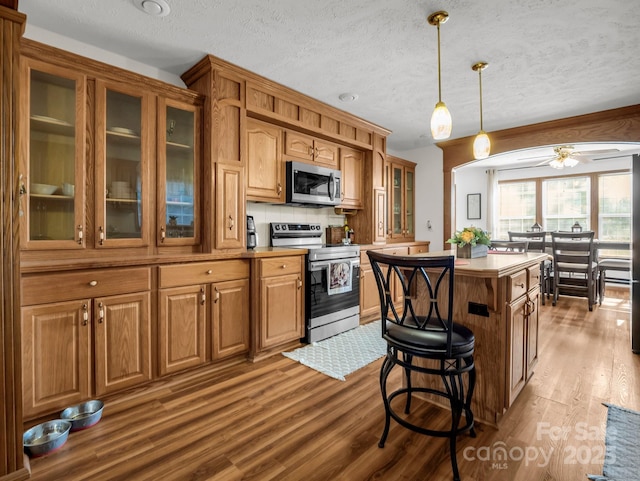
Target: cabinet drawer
(395, 251)
(517, 285)
(278, 266)
(533, 276)
(202, 273)
(418, 249)
(66, 286)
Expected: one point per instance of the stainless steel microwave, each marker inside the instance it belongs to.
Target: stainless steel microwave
(312, 185)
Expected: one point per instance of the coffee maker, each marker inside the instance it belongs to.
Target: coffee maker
(252, 235)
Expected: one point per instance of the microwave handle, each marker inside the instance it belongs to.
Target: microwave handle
(332, 186)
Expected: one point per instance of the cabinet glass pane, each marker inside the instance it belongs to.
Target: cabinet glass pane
(409, 199)
(123, 167)
(52, 142)
(180, 180)
(397, 200)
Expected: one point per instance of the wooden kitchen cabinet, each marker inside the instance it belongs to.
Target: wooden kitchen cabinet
(308, 149)
(265, 168)
(369, 297)
(70, 315)
(179, 173)
(181, 328)
(352, 167)
(204, 307)
(230, 207)
(400, 181)
(278, 305)
(230, 318)
(523, 291)
(54, 166)
(125, 123)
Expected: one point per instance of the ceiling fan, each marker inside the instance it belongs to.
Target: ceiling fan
(567, 156)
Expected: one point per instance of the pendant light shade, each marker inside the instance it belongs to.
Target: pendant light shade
(441, 118)
(482, 143)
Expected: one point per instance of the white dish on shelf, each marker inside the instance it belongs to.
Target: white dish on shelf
(122, 130)
(49, 120)
(43, 189)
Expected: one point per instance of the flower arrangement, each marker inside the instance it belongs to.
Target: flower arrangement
(470, 235)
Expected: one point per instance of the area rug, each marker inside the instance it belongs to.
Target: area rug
(622, 447)
(345, 353)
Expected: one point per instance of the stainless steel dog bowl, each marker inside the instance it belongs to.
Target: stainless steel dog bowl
(83, 415)
(46, 437)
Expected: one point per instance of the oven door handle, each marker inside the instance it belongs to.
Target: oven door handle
(318, 266)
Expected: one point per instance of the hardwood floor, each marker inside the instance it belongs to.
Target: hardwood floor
(279, 420)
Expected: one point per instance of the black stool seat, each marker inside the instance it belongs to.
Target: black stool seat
(431, 343)
(421, 327)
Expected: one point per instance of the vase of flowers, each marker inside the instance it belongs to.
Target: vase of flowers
(471, 242)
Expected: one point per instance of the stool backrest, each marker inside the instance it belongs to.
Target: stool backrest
(426, 289)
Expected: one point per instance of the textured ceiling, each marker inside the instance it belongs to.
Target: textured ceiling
(548, 59)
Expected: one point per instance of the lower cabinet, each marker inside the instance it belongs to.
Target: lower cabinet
(202, 304)
(522, 335)
(277, 301)
(66, 317)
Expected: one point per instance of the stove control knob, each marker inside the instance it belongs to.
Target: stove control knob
(277, 227)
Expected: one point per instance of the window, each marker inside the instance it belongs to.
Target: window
(614, 207)
(565, 201)
(517, 207)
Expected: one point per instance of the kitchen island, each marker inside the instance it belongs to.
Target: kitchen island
(497, 297)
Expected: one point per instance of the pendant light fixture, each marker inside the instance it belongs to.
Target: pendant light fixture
(481, 144)
(441, 118)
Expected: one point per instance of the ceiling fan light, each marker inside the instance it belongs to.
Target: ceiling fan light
(481, 146)
(571, 162)
(441, 122)
(556, 164)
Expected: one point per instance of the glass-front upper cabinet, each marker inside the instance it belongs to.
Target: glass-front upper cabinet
(53, 167)
(178, 190)
(400, 180)
(409, 199)
(396, 200)
(123, 143)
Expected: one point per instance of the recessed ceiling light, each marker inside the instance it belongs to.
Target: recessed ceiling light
(155, 8)
(348, 97)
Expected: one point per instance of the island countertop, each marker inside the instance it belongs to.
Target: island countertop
(495, 264)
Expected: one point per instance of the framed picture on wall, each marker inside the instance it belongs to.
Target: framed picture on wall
(473, 206)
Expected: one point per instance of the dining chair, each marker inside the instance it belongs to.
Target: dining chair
(537, 242)
(424, 340)
(509, 246)
(575, 271)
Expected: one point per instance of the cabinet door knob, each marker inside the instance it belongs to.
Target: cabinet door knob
(283, 266)
(101, 313)
(203, 297)
(101, 235)
(217, 294)
(279, 188)
(93, 283)
(299, 283)
(163, 234)
(231, 223)
(80, 234)
(209, 272)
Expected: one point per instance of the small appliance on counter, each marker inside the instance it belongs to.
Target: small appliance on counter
(252, 235)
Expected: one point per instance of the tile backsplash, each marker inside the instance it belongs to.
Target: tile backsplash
(263, 214)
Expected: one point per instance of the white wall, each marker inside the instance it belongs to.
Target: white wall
(429, 193)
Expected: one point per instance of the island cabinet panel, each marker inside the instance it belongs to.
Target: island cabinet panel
(505, 327)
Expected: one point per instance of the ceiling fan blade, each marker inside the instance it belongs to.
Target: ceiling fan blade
(546, 161)
(581, 157)
(596, 152)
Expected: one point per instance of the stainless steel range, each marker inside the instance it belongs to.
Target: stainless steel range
(332, 298)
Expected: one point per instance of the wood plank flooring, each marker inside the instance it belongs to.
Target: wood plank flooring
(279, 420)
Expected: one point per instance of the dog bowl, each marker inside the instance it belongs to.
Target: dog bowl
(83, 416)
(46, 437)
(43, 189)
